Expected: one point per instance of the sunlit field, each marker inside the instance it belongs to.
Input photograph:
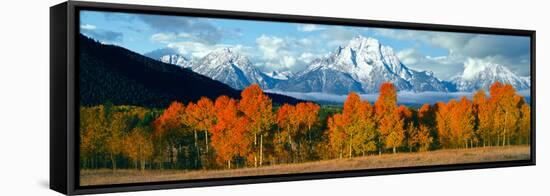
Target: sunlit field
(438, 157)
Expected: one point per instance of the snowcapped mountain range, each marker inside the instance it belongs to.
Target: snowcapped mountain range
(224, 65)
(362, 65)
(489, 74)
(232, 69)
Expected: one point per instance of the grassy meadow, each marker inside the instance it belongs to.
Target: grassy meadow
(438, 157)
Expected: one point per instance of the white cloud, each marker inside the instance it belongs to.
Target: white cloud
(168, 37)
(162, 37)
(306, 57)
(276, 53)
(305, 42)
(309, 27)
(88, 26)
(288, 61)
(473, 66)
(444, 67)
(269, 46)
(199, 49)
(450, 41)
(511, 51)
(201, 29)
(409, 56)
(338, 36)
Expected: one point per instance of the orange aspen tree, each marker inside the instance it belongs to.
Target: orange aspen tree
(425, 115)
(506, 114)
(409, 126)
(228, 134)
(455, 120)
(305, 116)
(191, 121)
(299, 120)
(171, 117)
(285, 118)
(310, 117)
(423, 138)
(442, 118)
(426, 119)
(257, 107)
(166, 126)
(390, 123)
(392, 129)
(205, 117)
(483, 113)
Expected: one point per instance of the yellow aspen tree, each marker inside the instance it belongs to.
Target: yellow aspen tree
(443, 119)
(390, 124)
(505, 101)
(337, 134)
(525, 124)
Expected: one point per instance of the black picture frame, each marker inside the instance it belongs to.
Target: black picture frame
(64, 139)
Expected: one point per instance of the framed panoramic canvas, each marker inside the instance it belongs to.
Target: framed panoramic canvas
(149, 97)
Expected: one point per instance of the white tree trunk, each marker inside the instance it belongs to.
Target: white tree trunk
(206, 140)
(255, 144)
(196, 148)
(261, 148)
(350, 145)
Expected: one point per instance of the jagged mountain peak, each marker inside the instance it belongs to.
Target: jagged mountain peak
(359, 42)
(362, 65)
(280, 75)
(489, 69)
(226, 57)
(481, 76)
(177, 59)
(225, 52)
(360, 56)
(170, 56)
(232, 68)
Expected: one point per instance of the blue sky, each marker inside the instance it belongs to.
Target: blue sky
(291, 46)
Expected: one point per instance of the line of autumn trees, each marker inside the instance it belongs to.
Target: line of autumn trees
(250, 132)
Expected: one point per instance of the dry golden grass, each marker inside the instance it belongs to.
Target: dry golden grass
(439, 157)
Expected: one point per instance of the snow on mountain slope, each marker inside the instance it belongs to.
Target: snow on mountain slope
(280, 75)
(362, 65)
(487, 74)
(231, 68)
(177, 60)
(170, 56)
